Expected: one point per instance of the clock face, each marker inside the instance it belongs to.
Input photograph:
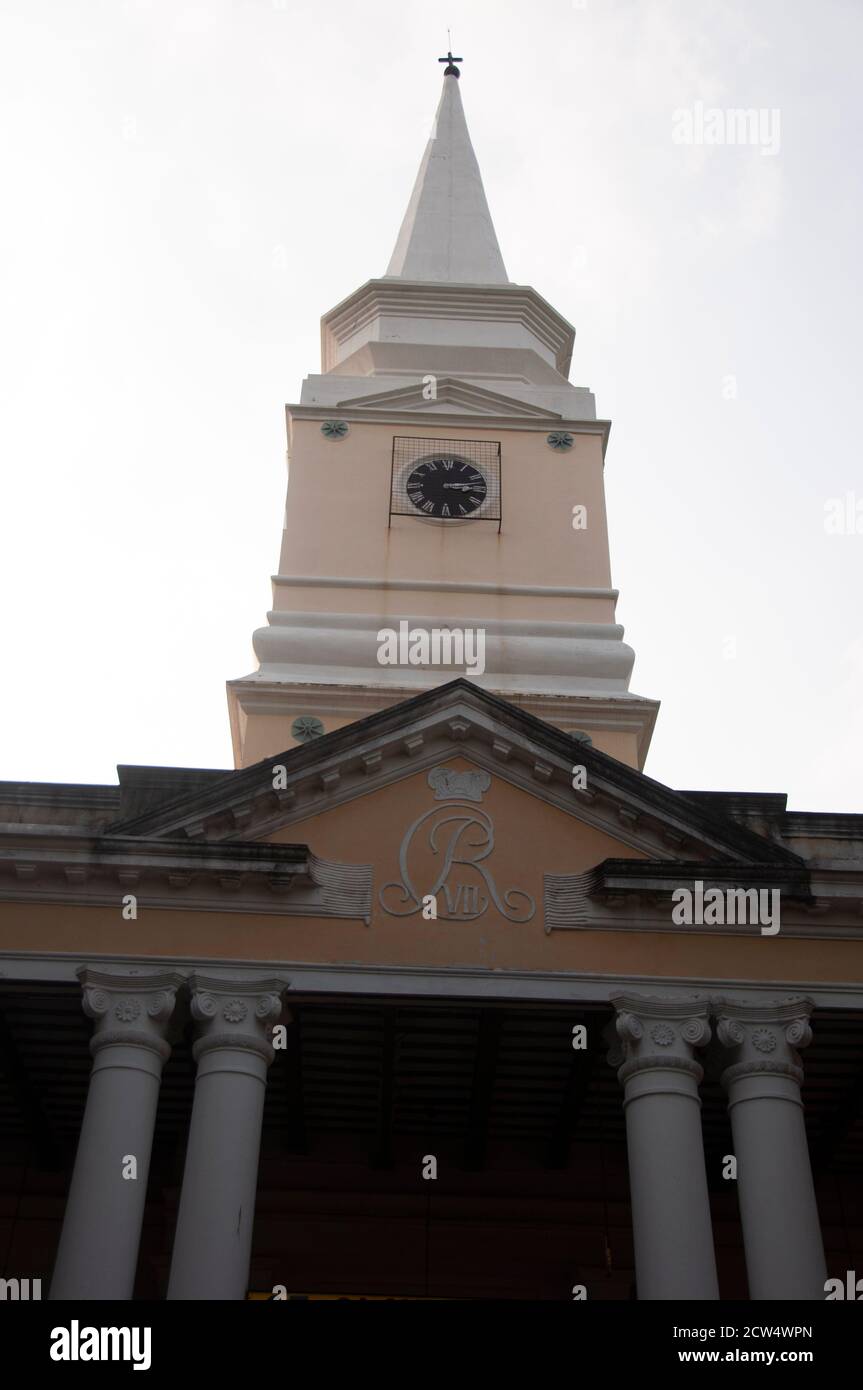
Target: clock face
(446, 486)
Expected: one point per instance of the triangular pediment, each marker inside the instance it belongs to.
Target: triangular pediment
(458, 719)
(450, 395)
(460, 796)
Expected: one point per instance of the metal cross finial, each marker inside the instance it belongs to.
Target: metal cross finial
(450, 70)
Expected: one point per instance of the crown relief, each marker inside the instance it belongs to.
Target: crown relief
(453, 784)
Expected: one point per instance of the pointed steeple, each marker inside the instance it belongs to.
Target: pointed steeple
(447, 233)
(442, 352)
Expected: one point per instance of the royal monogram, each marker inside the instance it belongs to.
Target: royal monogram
(460, 839)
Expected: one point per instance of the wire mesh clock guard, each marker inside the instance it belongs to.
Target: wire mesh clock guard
(446, 480)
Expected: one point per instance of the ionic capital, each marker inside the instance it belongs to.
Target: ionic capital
(659, 1034)
(237, 1014)
(130, 1010)
(763, 1039)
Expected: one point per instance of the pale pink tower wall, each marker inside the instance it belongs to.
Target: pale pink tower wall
(443, 347)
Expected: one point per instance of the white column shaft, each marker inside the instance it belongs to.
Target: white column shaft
(781, 1229)
(213, 1240)
(98, 1252)
(672, 1233)
(778, 1211)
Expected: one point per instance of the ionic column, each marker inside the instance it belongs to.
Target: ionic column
(781, 1230)
(213, 1242)
(674, 1256)
(98, 1252)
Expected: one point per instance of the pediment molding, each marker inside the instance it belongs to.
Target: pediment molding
(454, 720)
(449, 391)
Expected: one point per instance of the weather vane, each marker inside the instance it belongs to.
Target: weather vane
(450, 70)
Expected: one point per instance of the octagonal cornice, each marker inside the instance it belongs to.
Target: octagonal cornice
(356, 320)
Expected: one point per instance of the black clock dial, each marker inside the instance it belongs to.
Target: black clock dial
(446, 486)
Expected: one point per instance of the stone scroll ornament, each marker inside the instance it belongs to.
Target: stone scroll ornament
(460, 837)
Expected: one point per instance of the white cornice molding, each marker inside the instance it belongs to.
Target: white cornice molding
(506, 628)
(521, 655)
(574, 902)
(195, 876)
(433, 421)
(446, 586)
(438, 299)
(432, 981)
(632, 714)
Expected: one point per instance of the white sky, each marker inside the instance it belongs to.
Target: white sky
(186, 188)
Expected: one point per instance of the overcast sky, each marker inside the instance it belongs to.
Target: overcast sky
(187, 188)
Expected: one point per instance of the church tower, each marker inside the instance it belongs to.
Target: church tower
(446, 509)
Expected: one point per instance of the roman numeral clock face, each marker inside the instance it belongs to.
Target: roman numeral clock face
(446, 486)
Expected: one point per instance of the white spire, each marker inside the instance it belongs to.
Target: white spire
(447, 233)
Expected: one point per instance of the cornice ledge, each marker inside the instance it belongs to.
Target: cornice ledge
(429, 419)
(261, 881)
(438, 299)
(332, 581)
